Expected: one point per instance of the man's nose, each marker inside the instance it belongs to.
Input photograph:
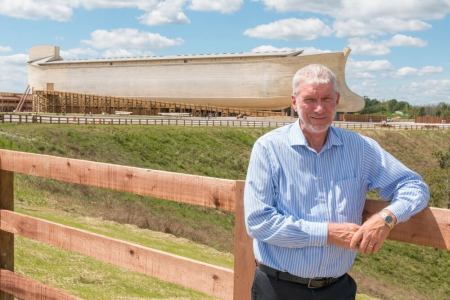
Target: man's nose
(319, 106)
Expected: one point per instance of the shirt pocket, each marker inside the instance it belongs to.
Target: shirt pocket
(349, 200)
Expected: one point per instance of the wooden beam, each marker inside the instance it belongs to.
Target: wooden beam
(26, 288)
(6, 238)
(210, 279)
(244, 260)
(431, 227)
(191, 189)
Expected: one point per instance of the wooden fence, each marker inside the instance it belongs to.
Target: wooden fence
(430, 228)
(432, 119)
(108, 120)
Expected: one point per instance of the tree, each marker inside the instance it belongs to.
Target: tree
(443, 110)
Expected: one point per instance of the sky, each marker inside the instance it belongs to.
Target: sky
(400, 48)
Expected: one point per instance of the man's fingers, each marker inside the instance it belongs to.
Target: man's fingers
(377, 247)
(364, 245)
(354, 243)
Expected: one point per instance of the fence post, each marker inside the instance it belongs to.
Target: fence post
(6, 238)
(244, 261)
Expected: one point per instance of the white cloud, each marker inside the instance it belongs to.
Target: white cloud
(306, 50)
(403, 9)
(79, 53)
(399, 40)
(428, 91)
(269, 48)
(363, 75)
(315, 6)
(29, 9)
(129, 39)
(166, 12)
(93, 4)
(5, 49)
(120, 52)
(367, 47)
(369, 65)
(307, 29)
(406, 71)
(377, 26)
(155, 12)
(359, 18)
(410, 71)
(13, 77)
(370, 47)
(431, 69)
(365, 10)
(223, 6)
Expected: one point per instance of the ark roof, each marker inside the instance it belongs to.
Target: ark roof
(243, 55)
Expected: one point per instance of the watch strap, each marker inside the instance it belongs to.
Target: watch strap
(387, 218)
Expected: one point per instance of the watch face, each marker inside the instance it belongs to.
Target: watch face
(389, 219)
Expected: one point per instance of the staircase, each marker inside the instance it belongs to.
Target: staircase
(22, 99)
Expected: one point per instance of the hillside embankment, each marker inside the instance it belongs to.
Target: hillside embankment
(398, 271)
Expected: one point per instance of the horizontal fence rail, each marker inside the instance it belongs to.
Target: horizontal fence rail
(192, 122)
(26, 288)
(431, 227)
(185, 188)
(186, 272)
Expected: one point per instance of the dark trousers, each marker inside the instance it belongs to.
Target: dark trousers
(266, 287)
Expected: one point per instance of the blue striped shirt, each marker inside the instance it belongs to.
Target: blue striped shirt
(292, 193)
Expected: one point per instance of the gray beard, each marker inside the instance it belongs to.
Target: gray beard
(313, 128)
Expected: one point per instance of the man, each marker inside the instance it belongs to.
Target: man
(305, 192)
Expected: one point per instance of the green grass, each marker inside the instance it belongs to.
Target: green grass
(220, 152)
(211, 151)
(417, 270)
(207, 226)
(88, 278)
(131, 233)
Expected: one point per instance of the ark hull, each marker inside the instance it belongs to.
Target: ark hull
(249, 81)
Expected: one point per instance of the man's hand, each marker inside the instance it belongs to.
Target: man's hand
(341, 234)
(370, 236)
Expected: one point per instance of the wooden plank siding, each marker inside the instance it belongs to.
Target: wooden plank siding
(207, 278)
(27, 288)
(184, 188)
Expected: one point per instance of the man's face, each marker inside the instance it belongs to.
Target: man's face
(316, 106)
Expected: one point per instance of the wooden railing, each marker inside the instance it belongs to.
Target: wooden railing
(430, 228)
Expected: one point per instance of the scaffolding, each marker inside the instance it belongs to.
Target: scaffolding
(75, 103)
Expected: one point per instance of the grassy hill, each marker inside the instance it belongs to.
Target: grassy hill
(399, 270)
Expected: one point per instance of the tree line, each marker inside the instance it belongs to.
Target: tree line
(402, 108)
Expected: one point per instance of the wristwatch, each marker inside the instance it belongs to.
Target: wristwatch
(387, 218)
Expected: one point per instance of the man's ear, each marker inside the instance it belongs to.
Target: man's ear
(294, 103)
(338, 98)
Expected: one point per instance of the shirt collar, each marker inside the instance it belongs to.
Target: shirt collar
(296, 137)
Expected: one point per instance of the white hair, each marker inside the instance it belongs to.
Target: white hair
(313, 74)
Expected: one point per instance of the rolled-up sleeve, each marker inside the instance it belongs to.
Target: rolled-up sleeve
(262, 219)
(403, 188)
